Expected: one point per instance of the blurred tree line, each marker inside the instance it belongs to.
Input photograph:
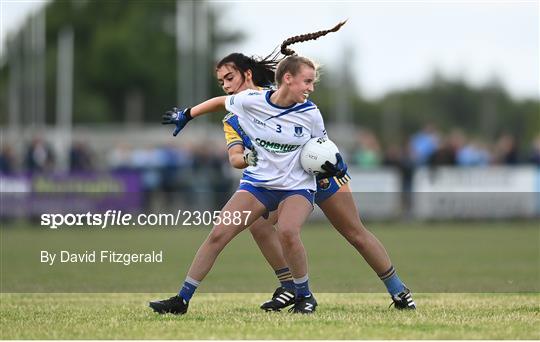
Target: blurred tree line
(125, 52)
(483, 111)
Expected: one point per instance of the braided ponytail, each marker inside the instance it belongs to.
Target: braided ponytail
(292, 62)
(305, 37)
(266, 70)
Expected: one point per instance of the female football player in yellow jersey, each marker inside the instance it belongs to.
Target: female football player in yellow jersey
(277, 183)
(237, 72)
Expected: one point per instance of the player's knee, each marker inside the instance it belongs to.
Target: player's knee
(359, 238)
(358, 241)
(216, 239)
(261, 232)
(288, 236)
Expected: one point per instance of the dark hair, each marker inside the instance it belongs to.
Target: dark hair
(264, 69)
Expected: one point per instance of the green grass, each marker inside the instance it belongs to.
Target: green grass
(471, 280)
(236, 316)
(475, 257)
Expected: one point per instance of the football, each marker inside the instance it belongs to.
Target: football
(316, 152)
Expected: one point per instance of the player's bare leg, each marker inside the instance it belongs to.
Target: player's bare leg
(341, 211)
(292, 214)
(218, 238)
(224, 232)
(266, 237)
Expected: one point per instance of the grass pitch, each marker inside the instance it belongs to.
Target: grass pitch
(237, 316)
(459, 257)
(471, 280)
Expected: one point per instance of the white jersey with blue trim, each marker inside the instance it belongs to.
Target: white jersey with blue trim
(277, 134)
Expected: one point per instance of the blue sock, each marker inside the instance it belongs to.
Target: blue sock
(302, 287)
(393, 284)
(285, 279)
(188, 288)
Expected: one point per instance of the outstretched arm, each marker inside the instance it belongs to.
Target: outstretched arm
(181, 117)
(213, 105)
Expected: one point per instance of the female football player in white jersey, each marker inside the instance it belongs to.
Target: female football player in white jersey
(279, 123)
(237, 72)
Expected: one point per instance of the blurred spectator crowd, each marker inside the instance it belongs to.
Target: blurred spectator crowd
(204, 167)
(429, 148)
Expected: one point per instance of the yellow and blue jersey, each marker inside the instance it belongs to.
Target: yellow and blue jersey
(234, 134)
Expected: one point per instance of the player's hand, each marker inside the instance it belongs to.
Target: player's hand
(339, 169)
(176, 117)
(251, 158)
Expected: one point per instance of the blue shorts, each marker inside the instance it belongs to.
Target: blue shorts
(329, 186)
(272, 198)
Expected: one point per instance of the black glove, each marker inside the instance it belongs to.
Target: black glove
(339, 169)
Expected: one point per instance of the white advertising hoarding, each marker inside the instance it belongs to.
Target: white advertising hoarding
(475, 192)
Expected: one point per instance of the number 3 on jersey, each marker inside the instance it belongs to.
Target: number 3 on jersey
(278, 128)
